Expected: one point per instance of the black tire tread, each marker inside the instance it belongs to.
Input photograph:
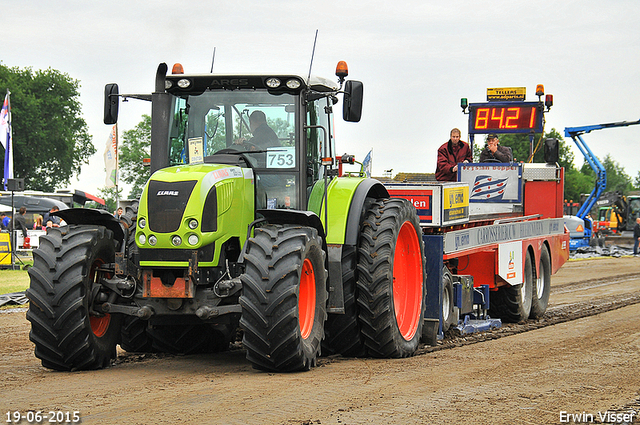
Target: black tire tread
(269, 301)
(375, 271)
(58, 309)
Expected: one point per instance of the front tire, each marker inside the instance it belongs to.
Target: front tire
(67, 327)
(391, 279)
(284, 298)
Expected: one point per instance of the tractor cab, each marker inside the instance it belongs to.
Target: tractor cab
(280, 126)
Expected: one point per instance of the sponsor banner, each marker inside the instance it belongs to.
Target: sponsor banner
(455, 203)
(422, 199)
(493, 183)
(510, 262)
(507, 93)
(499, 233)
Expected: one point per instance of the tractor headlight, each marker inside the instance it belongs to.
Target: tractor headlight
(193, 224)
(293, 84)
(193, 240)
(142, 239)
(153, 240)
(142, 223)
(176, 240)
(273, 82)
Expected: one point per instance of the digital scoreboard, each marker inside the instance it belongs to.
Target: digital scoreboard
(506, 117)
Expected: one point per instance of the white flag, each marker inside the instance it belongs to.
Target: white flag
(111, 158)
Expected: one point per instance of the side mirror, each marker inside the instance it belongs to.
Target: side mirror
(352, 106)
(111, 102)
(551, 151)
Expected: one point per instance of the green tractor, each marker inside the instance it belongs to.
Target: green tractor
(244, 228)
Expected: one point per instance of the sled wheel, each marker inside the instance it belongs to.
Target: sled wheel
(513, 303)
(67, 326)
(391, 279)
(449, 311)
(542, 286)
(284, 298)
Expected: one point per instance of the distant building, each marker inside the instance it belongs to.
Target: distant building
(408, 178)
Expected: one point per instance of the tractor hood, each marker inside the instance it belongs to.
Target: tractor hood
(191, 206)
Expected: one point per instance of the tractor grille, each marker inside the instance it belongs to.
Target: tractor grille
(166, 204)
(205, 254)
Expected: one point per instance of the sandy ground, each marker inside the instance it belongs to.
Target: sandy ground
(582, 367)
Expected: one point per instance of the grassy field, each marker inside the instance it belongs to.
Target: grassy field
(13, 281)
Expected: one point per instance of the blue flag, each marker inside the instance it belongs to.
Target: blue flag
(366, 164)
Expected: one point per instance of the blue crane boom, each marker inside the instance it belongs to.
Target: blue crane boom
(601, 174)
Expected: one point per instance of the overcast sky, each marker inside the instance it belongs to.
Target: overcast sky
(416, 58)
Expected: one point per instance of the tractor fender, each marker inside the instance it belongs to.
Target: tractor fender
(346, 199)
(302, 218)
(93, 216)
(369, 188)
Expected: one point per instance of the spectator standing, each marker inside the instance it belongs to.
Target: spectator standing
(636, 236)
(37, 225)
(449, 155)
(20, 222)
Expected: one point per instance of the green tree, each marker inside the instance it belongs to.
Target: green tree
(521, 147)
(110, 197)
(135, 146)
(50, 139)
(617, 178)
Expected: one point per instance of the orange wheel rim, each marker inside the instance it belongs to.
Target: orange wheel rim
(307, 299)
(99, 324)
(407, 281)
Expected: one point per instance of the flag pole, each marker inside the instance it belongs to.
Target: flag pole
(117, 161)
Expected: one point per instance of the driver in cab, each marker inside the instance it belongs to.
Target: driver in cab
(494, 152)
(263, 136)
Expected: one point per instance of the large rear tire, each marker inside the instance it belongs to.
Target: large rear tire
(513, 303)
(342, 331)
(284, 298)
(541, 286)
(391, 279)
(67, 327)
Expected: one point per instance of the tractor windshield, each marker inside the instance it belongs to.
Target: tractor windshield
(260, 125)
(255, 122)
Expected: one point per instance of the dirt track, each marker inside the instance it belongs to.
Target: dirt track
(583, 366)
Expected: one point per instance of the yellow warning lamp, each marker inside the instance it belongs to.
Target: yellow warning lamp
(342, 71)
(540, 90)
(177, 69)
